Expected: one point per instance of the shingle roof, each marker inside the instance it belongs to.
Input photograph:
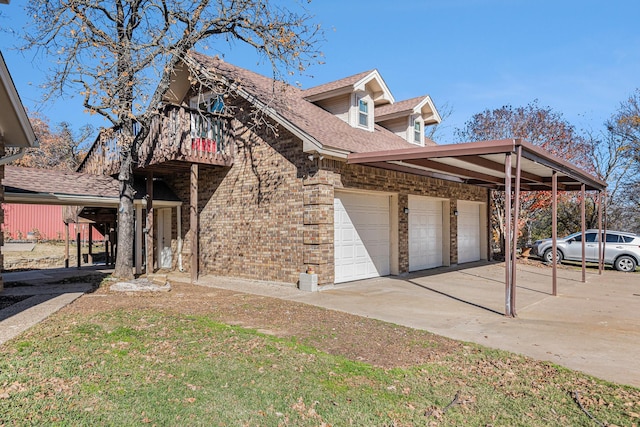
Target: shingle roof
(29, 180)
(288, 102)
(401, 106)
(338, 84)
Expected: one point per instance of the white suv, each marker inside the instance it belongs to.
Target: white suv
(622, 250)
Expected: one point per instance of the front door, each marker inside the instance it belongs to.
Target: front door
(164, 238)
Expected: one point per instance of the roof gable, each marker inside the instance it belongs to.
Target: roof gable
(319, 130)
(422, 105)
(368, 81)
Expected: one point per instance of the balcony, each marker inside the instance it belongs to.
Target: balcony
(177, 137)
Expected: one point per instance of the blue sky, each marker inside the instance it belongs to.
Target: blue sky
(581, 58)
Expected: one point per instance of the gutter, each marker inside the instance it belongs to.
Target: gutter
(13, 157)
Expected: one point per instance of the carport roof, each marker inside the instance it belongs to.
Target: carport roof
(483, 163)
(53, 187)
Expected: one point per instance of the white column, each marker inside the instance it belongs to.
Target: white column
(138, 239)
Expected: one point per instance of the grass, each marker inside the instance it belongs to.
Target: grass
(153, 368)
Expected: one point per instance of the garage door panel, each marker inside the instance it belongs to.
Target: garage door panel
(425, 233)
(361, 236)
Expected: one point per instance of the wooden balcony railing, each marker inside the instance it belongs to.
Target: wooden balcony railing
(177, 134)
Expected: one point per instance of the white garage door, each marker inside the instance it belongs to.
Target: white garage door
(468, 231)
(425, 233)
(361, 236)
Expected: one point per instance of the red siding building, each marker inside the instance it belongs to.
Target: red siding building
(40, 222)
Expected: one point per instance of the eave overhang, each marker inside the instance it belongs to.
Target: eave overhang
(15, 128)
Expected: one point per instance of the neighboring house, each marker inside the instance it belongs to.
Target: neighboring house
(15, 129)
(263, 166)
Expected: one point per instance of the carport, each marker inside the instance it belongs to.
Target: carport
(97, 196)
(491, 164)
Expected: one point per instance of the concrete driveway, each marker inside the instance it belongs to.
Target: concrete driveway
(593, 327)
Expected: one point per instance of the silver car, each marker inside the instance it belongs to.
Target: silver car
(622, 250)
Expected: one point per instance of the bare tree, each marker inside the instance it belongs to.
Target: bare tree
(540, 126)
(120, 54)
(621, 162)
(59, 149)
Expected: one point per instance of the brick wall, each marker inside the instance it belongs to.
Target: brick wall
(1, 210)
(270, 215)
(252, 214)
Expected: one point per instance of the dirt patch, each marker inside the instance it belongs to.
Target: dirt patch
(357, 338)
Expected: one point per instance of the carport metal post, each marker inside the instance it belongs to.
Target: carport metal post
(583, 220)
(516, 229)
(554, 232)
(507, 237)
(601, 235)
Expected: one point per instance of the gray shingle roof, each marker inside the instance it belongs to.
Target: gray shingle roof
(338, 84)
(30, 180)
(401, 106)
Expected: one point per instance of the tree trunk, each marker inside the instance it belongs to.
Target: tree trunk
(124, 257)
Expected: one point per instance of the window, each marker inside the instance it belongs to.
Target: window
(613, 238)
(417, 132)
(590, 237)
(363, 113)
(209, 103)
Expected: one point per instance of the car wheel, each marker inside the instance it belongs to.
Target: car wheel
(625, 263)
(548, 256)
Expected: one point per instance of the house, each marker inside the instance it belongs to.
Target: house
(15, 129)
(263, 166)
(338, 179)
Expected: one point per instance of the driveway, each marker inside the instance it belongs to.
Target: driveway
(593, 327)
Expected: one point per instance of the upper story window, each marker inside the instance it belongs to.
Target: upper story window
(208, 103)
(417, 132)
(363, 113)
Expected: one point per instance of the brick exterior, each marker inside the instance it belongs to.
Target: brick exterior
(270, 215)
(252, 215)
(1, 211)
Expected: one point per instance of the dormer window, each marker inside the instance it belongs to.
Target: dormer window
(363, 113)
(417, 132)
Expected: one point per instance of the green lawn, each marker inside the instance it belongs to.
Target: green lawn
(152, 368)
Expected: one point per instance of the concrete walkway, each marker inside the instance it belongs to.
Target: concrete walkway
(593, 327)
(47, 296)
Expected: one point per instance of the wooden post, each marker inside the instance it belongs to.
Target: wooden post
(78, 245)
(90, 253)
(66, 245)
(107, 258)
(507, 237)
(149, 228)
(194, 222)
